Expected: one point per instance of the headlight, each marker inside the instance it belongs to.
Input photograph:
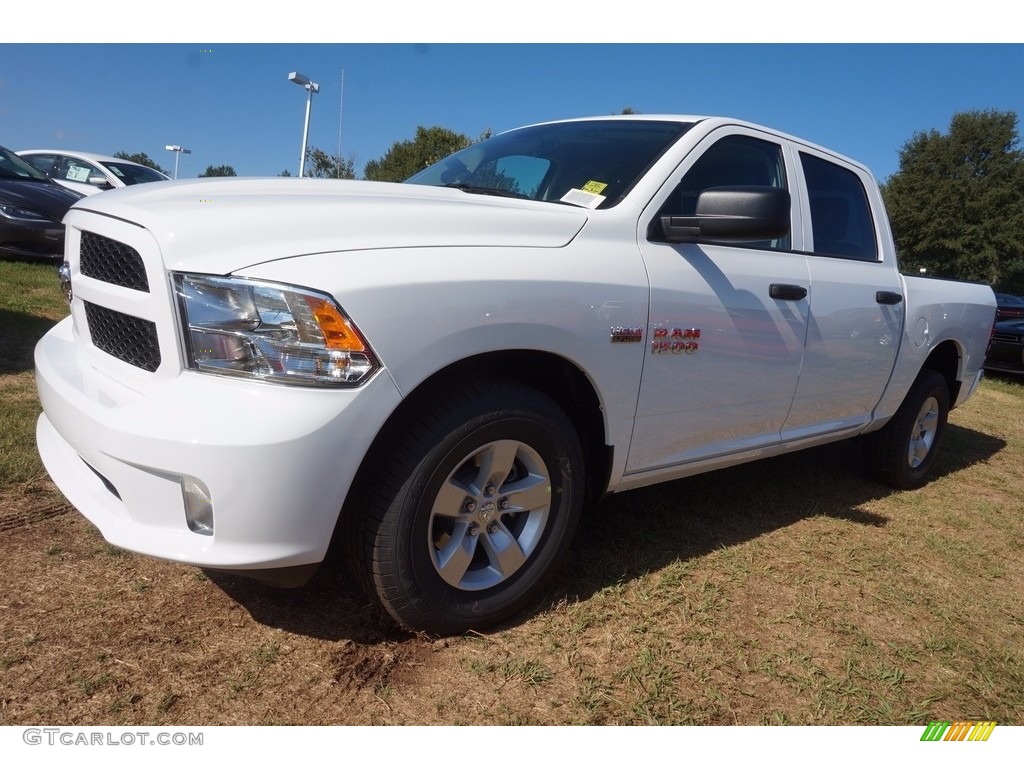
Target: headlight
(23, 214)
(270, 331)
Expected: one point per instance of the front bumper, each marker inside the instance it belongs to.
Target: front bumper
(278, 460)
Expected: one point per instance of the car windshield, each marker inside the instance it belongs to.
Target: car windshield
(13, 167)
(591, 163)
(130, 173)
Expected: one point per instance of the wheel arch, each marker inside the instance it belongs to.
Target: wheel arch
(946, 360)
(558, 378)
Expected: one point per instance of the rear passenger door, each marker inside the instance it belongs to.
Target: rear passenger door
(856, 301)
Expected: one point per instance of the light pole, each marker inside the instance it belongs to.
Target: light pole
(311, 88)
(177, 150)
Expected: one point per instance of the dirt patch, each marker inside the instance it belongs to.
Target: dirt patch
(359, 666)
(30, 503)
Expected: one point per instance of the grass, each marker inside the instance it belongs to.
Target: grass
(789, 591)
(30, 303)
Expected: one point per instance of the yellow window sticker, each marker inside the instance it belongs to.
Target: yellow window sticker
(595, 187)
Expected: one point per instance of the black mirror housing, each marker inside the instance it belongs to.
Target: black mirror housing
(732, 215)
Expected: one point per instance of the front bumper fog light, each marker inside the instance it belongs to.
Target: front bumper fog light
(198, 506)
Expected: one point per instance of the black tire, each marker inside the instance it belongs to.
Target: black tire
(470, 509)
(902, 453)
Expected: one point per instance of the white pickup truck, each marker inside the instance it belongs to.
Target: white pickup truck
(439, 373)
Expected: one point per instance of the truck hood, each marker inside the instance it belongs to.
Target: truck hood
(224, 225)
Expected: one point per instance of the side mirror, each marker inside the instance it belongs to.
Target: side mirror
(99, 180)
(732, 215)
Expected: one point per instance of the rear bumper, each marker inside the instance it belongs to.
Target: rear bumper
(278, 461)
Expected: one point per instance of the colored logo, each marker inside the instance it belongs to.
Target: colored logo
(958, 730)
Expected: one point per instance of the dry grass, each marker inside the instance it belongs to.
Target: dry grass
(788, 591)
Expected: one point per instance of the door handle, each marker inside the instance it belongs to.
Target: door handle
(888, 297)
(787, 292)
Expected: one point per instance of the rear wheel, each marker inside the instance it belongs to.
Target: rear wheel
(903, 451)
(471, 508)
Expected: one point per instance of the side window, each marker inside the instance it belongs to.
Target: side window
(731, 161)
(77, 170)
(840, 215)
(42, 163)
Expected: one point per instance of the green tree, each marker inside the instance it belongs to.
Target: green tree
(321, 165)
(218, 170)
(956, 204)
(406, 158)
(142, 159)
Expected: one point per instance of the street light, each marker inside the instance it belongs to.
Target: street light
(311, 88)
(177, 150)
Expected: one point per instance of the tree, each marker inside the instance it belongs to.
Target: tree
(218, 170)
(321, 165)
(142, 159)
(285, 172)
(406, 158)
(956, 204)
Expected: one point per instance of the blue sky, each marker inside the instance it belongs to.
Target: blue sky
(231, 103)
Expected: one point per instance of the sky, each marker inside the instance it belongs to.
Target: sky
(231, 102)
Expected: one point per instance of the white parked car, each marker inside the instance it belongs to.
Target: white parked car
(442, 371)
(88, 173)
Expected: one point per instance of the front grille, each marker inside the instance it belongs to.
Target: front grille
(127, 338)
(112, 262)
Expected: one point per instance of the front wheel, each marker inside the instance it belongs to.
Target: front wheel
(471, 508)
(903, 451)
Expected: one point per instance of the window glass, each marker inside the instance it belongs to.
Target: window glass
(77, 170)
(130, 173)
(840, 215)
(732, 161)
(592, 163)
(516, 174)
(42, 163)
(14, 167)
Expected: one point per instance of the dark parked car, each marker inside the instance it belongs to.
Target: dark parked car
(1006, 349)
(1009, 307)
(31, 209)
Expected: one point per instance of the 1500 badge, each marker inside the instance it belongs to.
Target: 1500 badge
(675, 341)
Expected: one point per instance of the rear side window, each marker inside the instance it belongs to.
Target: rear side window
(841, 220)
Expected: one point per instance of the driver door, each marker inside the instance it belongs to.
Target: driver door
(727, 322)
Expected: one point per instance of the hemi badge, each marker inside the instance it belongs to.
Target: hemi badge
(621, 335)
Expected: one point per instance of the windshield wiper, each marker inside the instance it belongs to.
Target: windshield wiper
(472, 189)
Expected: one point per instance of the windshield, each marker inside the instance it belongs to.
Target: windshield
(129, 173)
(591, 163)
(13, 167)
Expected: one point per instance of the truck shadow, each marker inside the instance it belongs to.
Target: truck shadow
(633, 533)
(18, 337)
(650, 528)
